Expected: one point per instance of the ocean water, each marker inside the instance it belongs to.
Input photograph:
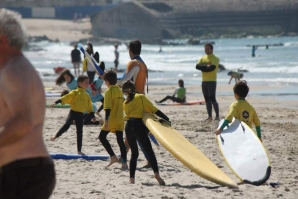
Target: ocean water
(276, 66)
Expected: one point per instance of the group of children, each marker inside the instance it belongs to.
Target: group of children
(114, 103)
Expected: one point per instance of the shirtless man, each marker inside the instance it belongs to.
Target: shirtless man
(26, 170)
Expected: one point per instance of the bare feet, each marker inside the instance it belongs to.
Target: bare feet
(81, 153)
(147, 166)
(209, 119)
(124, 166)
(159, 179)
(114, 159)
(53, 138)
(131, 180)
(216, 119)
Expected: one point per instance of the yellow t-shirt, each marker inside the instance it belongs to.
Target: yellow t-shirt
(114, 100)
(79, 100)
(209, 60)
(243, 111)
(137, 107)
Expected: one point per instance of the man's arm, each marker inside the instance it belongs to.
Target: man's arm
(17, 98)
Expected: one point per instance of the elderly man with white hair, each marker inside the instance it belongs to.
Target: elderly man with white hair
(26, 169)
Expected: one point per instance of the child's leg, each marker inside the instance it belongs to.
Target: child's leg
(79, 117)
(144, 140)
(66, 125)
(119, 135)
(101, 107)
(103, 139)
(134, 150)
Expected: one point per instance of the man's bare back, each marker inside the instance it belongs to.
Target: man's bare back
(22, 102)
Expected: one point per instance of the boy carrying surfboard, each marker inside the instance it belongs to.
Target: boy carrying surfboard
(241, 109)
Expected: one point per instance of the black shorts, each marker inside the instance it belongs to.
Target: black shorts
(32, 178)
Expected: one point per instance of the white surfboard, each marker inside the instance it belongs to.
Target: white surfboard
(90, 59)
(244, 153)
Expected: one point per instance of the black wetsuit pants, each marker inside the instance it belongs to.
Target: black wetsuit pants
(174, 99)
(136, 130)
(78, 117)
(32, 178)
(91, 75)
(102, 103)
(209, 92)
(119, 134)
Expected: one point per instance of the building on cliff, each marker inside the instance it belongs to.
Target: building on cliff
(169, 19)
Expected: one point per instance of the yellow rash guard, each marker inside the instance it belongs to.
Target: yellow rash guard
(209, 60)
(114, 101)
(137, 107)
(79, 100)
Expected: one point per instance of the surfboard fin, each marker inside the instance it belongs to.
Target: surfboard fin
(261, 181)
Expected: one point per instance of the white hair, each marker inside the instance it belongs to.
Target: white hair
(12, 27)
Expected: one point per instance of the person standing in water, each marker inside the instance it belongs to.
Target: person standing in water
(208, 64)
(26, 169)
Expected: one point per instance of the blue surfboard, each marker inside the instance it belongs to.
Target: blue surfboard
(90, 59)
(64, 156)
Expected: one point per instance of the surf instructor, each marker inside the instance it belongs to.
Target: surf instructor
(26, 170)
(135, 47)
(208, 64)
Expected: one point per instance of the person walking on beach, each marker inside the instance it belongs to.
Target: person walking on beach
(134, 107)
(80, 102)
(208, 64)
(116, 61)
(180, 92)
(242, 110)
(76, 60)
(26, 169)
(114, 122)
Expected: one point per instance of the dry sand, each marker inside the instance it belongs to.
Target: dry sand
(88, 179)
(63, 30)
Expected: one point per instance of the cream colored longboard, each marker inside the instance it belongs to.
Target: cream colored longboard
(244, 153)
(185, 152)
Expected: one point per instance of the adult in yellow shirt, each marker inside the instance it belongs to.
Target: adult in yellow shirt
(208, 64)
(114, 121)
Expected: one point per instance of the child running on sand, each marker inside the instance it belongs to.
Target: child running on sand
(242, 110)
(180, 92)
(114, 121)
(134, 106)
(79, 101)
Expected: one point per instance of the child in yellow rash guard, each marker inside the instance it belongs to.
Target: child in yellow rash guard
(242, 110)
(114, 121)
(134, 106)
(80, 102)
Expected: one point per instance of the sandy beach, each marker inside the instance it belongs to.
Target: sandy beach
(90, 179)
(79, 179)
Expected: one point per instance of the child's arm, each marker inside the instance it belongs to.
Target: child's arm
(228, 119)
(230, 79)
